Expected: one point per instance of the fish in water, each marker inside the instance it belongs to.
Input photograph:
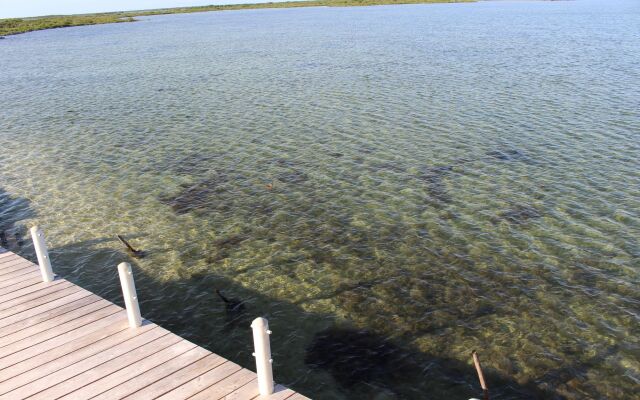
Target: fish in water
(271, 185)
(506, 155)
(293, 176)
(233, 306)
(135, 253)
(3, 239)
(196, 197)
(284, 162)
(230, 241)
(520, 214)
(434, 178)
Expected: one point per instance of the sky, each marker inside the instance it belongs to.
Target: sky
(32, 8)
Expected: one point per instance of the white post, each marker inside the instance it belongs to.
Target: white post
(129, 294)
(42, 253)
(262, 354)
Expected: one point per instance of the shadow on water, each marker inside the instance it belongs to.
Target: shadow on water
(314, 353)
(12, 211)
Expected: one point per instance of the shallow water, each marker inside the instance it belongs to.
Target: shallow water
(391, 186)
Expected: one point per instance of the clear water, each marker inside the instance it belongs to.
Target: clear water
(391, 186)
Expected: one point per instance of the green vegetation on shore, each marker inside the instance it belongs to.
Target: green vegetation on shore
(14, 26)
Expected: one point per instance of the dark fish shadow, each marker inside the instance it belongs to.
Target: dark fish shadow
(198, 196)
(518, 214)
(434, 178)
(506, 154)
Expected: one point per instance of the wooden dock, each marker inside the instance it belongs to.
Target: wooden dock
(59, 341)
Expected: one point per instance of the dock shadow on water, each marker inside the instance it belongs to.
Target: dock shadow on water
(314, 353)
(13, 210)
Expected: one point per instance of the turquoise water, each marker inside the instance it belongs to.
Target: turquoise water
(392, 186)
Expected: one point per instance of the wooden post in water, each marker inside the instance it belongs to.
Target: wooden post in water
(129, 294)
(262, 354)
(483, 384)
(42, 253)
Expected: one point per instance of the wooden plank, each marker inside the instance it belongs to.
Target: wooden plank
(178, 378)
(248, 391)
(280, 393)
(58, 330)
(209, 378)
(28, 289)
(130, 371)
(16, 265)
(7, 261)
(224, 387)
(44, 307)
(53, 322)
(14, 276)
(39, 301)
(297, 396)
(153, 375)
(7, 258)
(34, 295)
(23, 284)
(39, 318)
(34, 350)
(66, 354)
(57, 339)
(5, 286)
(116, 357)
(71, 365)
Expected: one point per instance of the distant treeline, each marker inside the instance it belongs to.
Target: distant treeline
(14, 26)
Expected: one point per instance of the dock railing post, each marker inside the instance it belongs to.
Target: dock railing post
(129, 294)
(262, 354)
(42, 253)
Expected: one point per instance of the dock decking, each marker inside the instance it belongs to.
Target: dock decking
(59, 341)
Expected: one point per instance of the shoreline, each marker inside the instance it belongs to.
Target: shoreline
(15, 26)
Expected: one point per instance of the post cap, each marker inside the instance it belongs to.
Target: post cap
(260, 323)
(124, 267)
